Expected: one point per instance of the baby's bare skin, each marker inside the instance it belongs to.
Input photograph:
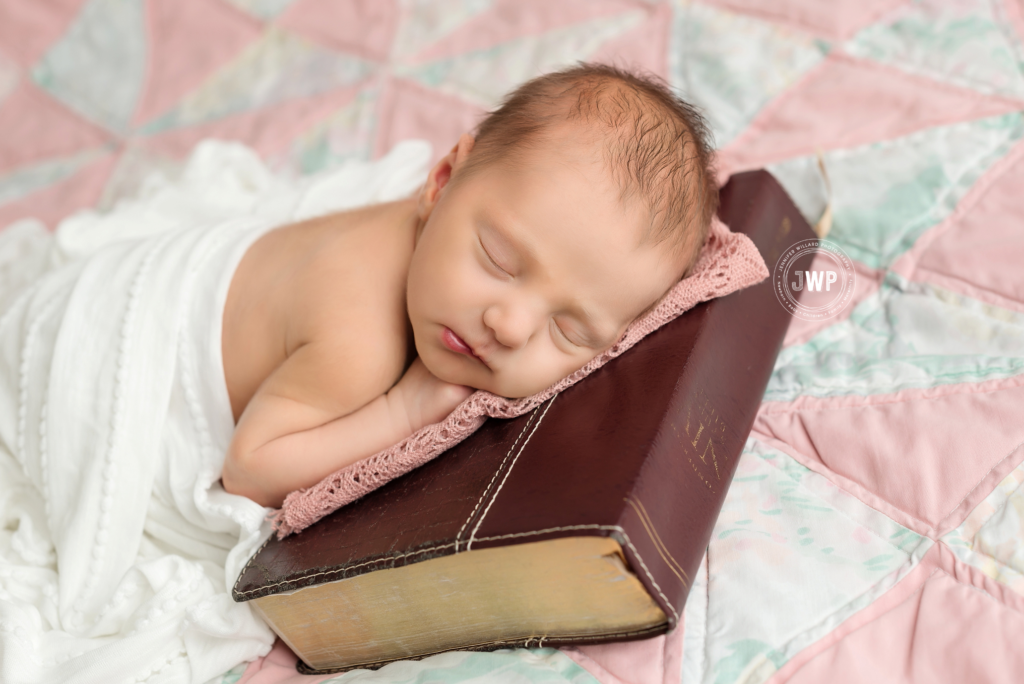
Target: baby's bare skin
(314, 336)
(345, 334)
(336, 280)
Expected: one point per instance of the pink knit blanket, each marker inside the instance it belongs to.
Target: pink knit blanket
(728, 262)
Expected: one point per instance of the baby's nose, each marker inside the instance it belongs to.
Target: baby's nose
(512, 325)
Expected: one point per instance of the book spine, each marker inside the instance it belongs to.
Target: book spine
(671, 510)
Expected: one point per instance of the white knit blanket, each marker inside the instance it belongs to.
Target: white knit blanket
(118, 545)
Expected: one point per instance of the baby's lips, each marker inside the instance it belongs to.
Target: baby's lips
(455, 343)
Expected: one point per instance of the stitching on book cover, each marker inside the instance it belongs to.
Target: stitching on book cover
(343, 569)
(625, 538)
(432, 548)
(587, 637)
(547, 530)
(490, 484)
(472, 536)
(247, 564)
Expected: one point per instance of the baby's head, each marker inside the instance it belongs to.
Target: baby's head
(576, 206)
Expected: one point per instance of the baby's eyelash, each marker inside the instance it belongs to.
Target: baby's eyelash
(495, 263)
(564, 336)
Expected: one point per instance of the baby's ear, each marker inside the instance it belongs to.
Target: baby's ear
(462, 149)
(442, 173)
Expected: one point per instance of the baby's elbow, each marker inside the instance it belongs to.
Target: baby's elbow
(240, 476)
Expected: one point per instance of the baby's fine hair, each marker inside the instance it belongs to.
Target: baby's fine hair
(656, 145)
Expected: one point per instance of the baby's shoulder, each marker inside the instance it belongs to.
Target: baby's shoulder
(351, 300)
(334, 287)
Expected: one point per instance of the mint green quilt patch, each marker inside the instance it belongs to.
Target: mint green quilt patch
(905, 335)
(732, 65)
(727, 669)
(517, 666)
(343, 136)
(791, 556)
(99, 65)
(968, 44)
(27, 179)
(231, 676)
(887, 194)
(279, 67)
(484, 76)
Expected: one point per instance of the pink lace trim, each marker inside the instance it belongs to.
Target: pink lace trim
(728, 262)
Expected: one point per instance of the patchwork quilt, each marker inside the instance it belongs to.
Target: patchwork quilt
(875, 527)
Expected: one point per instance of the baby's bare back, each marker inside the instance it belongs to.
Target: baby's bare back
(334, 285)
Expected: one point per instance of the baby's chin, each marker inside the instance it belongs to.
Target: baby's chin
(519, 388)
(516, 392)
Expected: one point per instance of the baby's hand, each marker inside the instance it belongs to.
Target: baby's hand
(420, 398)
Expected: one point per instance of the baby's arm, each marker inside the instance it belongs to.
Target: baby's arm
(298, 428)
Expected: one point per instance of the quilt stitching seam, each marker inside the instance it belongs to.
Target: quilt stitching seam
(973, 489)
(942, 391)
(974, 588)
(842, 512)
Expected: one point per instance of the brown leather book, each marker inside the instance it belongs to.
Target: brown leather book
(581, 522)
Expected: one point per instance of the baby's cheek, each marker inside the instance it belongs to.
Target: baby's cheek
(469, 279)
(534, 373)
(568, 366)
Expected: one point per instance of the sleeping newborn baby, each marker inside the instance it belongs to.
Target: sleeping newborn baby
(530, 248)
(197, 333)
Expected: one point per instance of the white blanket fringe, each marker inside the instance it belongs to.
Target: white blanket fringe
(118, 545)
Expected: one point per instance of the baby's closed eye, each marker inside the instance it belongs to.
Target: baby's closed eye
(567, 337)
(493, 262)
